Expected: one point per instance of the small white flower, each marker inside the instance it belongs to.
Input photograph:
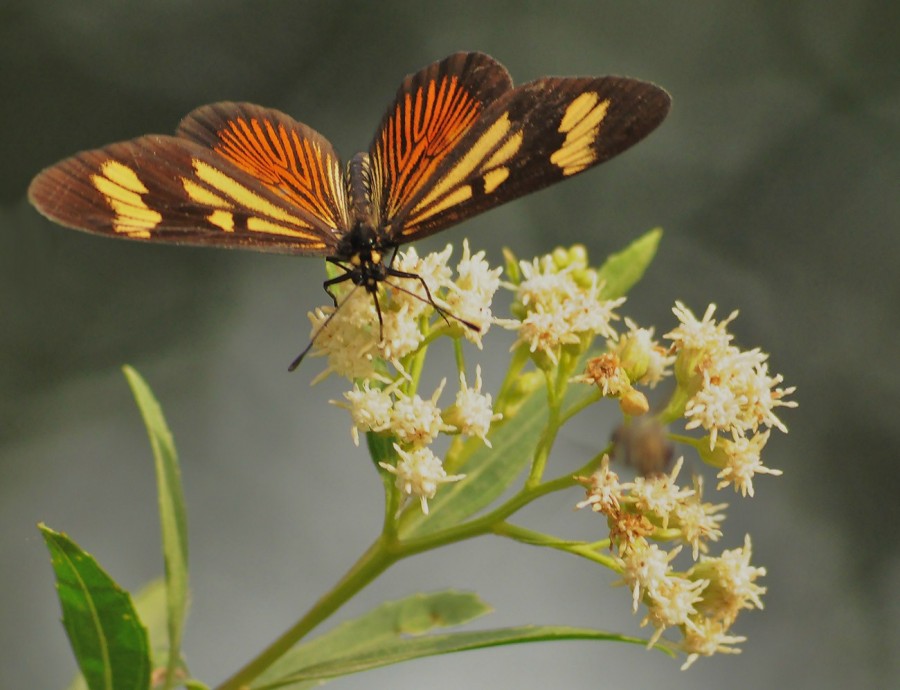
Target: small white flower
(603, 489)
(641, 353)
(346, 336)
(732, 582)
(432, 268)
(716, 406)
(744, 462)
(402, 331)
(472, 413)
(607, 374)
(673, 604)
(417, 422)
(646, 570)
(704, 334)
(419, 474)
(544, 284)
(697, 521)
(707, 637)
(370, 409)
(545, 332)
(658, 494)
(558, 309)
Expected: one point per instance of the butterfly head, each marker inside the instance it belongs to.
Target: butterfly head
(361, 254)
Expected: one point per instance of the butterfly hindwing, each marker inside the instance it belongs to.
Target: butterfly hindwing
(288, 157)
(432, 113)
(530, 137)
(169, 189)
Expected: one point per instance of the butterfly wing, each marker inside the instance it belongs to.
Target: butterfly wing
(290, 158)
(197, 188)
(528, 138)
(432, 113)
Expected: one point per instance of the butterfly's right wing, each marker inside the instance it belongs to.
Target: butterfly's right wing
(432, 113)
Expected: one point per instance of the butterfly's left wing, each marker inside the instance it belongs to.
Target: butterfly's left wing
(530, 137)
(237, 176)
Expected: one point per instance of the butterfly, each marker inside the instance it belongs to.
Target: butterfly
(458, 140)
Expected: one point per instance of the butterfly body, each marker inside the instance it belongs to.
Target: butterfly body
(458, 140)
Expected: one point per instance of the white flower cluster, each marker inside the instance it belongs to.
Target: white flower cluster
(704, 602)
(360, 348)
(561, 304)
(732, 393)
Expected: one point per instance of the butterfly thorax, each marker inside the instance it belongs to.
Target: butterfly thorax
(363, 247)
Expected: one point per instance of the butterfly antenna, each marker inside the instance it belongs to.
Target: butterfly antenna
(299, 358)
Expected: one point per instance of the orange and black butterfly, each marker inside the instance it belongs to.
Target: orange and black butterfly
(459, 139)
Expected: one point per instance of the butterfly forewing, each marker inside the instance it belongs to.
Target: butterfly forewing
(530, 137)
(432, 113)
(168, 189)
(286, 156)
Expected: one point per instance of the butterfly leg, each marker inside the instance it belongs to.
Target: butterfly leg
(334, 281)
(444, 314)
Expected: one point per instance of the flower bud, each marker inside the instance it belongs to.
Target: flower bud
(634, 403)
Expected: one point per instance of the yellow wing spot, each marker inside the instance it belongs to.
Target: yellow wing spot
(244, 196)
(117, 194)
(505, 152)
(580, 124)
(494, 178)
(123, 176)
(131, 232)
(261, 225)
(122, 189)
(469, 162)
(222, 219)
(202, 195)
(457, 196)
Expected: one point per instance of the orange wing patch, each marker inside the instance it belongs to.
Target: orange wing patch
(419, 133)
(289, 158)
(296, 168)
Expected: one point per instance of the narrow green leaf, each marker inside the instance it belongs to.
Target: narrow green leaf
(107, 637)
(431, 645)
(414, 615)
(623, 269)
(489, 471)
(172, 515)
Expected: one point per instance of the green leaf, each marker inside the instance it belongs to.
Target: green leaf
(623, 269)
(172, 515)
(107, 637)
(383, 625)
(393, 652)
(489, 471)
(151, 603)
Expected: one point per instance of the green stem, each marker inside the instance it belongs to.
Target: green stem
(520, 358)
(578, 548)
(548, 436)
(686, 440)
(486, 523)
(579, 406)
(378, 558)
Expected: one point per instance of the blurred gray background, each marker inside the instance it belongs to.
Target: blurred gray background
(775, 178)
